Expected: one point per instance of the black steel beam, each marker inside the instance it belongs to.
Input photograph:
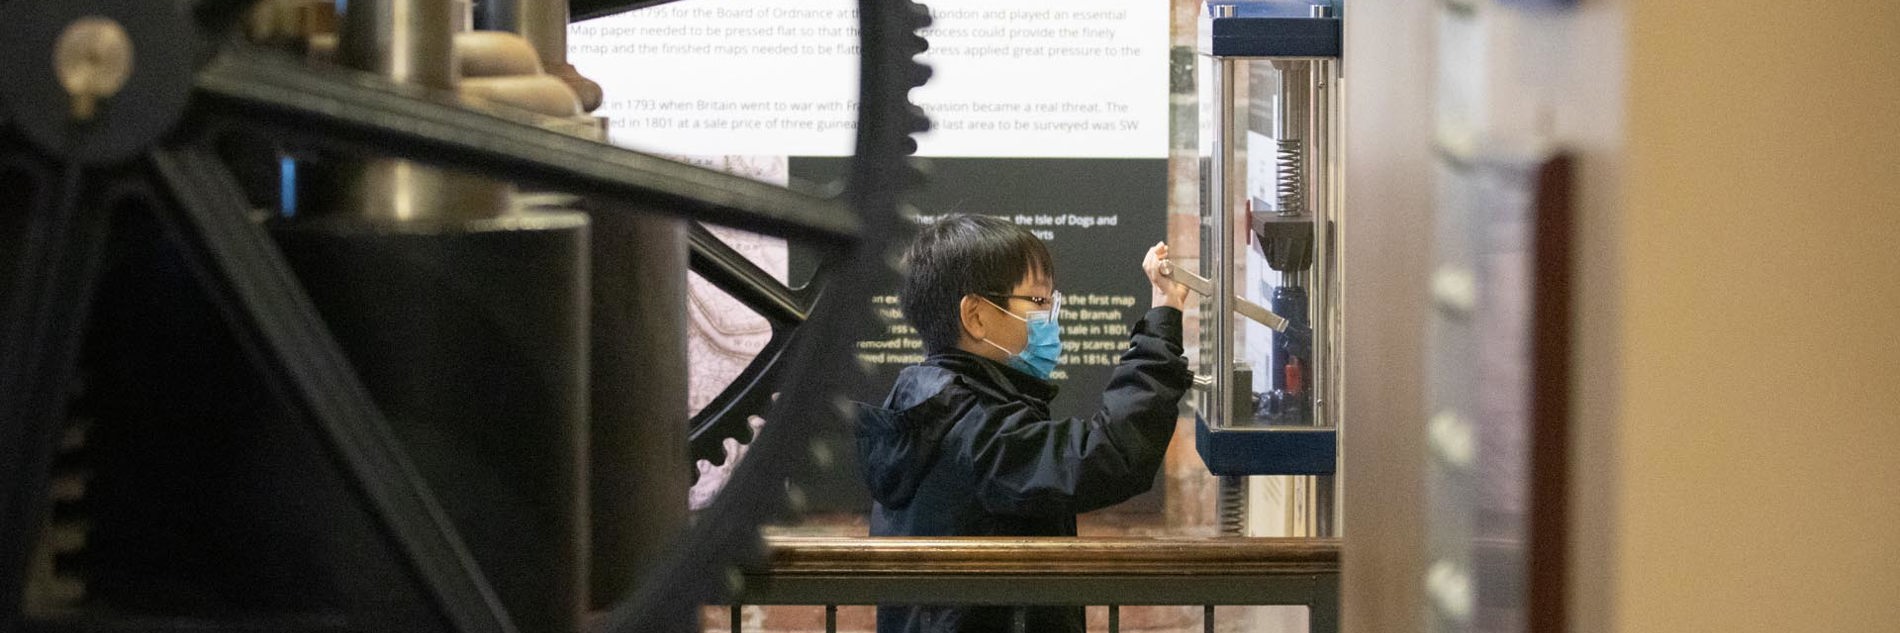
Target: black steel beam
(728, 269)
(320, 105)
(160, 624)
(43, 312)
(288, 339)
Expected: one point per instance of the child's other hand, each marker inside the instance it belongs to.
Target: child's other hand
(1166, 292)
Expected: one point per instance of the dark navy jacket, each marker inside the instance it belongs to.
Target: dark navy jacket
(964, 446)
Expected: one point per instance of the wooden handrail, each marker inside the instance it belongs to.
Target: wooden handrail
(1016, 572)
(1047, 556)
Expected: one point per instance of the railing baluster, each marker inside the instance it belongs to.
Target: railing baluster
(1021, 620)
(1207, 618)
(1114, 618)
(831, 618)
(737, 622)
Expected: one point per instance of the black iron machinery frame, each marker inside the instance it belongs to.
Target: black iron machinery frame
(154, 142)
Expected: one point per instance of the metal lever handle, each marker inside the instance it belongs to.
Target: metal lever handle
(1259, 313)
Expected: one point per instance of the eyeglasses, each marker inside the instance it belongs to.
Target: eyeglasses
(1051, 303)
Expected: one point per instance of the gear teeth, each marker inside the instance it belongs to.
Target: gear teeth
(58, 578)
(882, 173)
(918, 16)
(751, 551)
(856, 373)
(843, 406)
(918, 74)
(914, 45)
(821, 454)
(918, 119)
(864, 367)
(735, 581)
(894, 260)
(796, 500)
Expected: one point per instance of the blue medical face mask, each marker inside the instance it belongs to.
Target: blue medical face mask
(1043, 350)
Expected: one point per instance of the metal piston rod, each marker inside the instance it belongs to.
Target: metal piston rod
(409, 41)
(1308, 102)
(1300, 128)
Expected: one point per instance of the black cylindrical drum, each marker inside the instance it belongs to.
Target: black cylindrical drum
(639, 436)
(472, 337)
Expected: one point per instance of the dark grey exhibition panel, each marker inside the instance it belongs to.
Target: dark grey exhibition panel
(1099, 260)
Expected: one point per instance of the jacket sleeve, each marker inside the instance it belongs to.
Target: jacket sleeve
(1030, 466)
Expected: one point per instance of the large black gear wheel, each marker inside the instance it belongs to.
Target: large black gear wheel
(145, 161)
(805, 367)
(878, 179)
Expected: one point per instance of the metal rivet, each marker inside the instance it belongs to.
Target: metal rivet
(92, 59)
(1453, 439)
(1449, 587)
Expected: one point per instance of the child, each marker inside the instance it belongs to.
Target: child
(965, 445)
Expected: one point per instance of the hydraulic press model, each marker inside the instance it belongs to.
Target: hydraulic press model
(1269, 86)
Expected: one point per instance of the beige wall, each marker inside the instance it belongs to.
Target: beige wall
(1388, 128)
(1555, 75)
(1757, 485)
(1737, 419)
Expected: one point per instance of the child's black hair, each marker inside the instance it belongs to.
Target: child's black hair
(959, 255)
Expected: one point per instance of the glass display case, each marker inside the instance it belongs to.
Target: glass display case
(1268, 80)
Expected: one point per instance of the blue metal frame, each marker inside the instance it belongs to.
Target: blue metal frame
(1267, 450)
(1271, 28)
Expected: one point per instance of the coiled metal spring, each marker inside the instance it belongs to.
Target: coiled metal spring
(1233, 505)
(1291, 187)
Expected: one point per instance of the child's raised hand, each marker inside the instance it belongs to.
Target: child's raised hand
(1166, 292)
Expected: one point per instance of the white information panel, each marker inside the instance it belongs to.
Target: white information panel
(1013, 78)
